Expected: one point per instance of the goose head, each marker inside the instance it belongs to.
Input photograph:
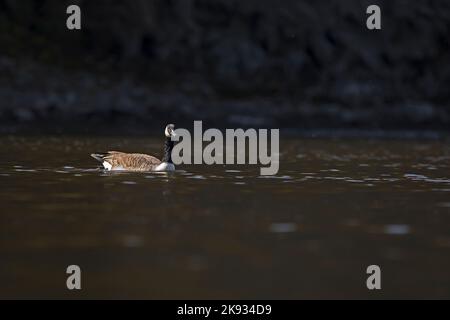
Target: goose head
(170, 131)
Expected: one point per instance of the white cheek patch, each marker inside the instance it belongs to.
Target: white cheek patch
(107, 165)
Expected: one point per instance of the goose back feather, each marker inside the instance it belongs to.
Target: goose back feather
(115, 160)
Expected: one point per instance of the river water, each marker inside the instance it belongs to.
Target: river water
(335, 207)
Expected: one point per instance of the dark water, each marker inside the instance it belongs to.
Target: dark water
(336, 207)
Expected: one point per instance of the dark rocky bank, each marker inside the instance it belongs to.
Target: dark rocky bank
(288, 64)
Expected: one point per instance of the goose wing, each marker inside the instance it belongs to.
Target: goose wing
(128, 161)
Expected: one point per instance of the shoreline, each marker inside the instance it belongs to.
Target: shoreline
(37, 95)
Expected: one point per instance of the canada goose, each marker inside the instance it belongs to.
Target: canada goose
(120, 161)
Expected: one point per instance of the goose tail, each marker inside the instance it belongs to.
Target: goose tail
(98, 156)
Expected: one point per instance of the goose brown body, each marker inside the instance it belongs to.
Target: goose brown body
(128, 161)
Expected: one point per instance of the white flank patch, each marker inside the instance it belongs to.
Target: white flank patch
(165, 166)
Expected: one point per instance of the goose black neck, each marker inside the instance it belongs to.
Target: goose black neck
(168, 146)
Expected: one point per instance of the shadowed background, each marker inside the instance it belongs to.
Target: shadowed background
(289, 64)
(336, 205)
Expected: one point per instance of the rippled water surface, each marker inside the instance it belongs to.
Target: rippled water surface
(335, 207)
